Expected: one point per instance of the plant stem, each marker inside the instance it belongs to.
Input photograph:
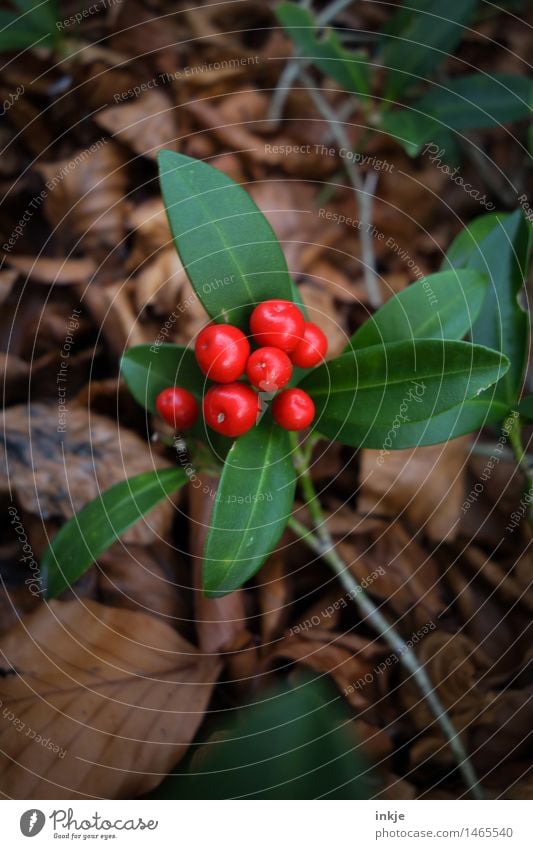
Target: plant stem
(364, 190)
(321, 543)
(515, 441)
(292, 69)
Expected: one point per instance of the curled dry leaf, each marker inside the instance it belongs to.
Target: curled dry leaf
(145, 124)
(84, 196)
(103, 702)
(425, 486)
(60, 272)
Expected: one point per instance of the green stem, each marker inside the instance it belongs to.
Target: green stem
(520, 455)
(321, 543)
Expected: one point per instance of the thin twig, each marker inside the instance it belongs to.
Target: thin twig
(321, 542)
(291, 70)
(362, 189)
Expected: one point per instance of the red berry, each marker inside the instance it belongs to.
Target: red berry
(312, 348)
(177, 407)
(277, 323)
(293, 409)
(268, 369)
(221, 352)
(231, 409)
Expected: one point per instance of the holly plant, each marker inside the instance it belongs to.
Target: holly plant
(256, 390)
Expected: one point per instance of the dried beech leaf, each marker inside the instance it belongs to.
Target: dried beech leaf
(104, 702)
(60, 272)
(85, 198)
(55, 474)
(425, 486)
(145, 124)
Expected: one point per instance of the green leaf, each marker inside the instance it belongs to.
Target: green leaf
(295, 743)
(91, 531)
(369, 388)
(441, 306)
(525, 407)
(36, 26)
(478, 100)
(350, 69)
(411, 128)
(469, 416)
(228, 248)
(252, 507)
(418, 38)
(503, 324)
(148, 369)
(467, 242)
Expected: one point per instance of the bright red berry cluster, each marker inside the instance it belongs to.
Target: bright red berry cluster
(283, 339)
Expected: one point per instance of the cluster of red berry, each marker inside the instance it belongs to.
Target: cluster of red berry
(223, 353)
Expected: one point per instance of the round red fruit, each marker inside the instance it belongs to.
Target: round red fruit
(177, 407)
(312, 348)
(231, 409)
(269, 369)
(279, 324)
(293, 409)
(221, 352)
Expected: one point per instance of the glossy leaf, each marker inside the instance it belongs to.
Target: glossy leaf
(467, 417)
(148, 369)
(350, 69)
(86, 535)
(295, 743)
(478, 100)
(467, 242)
(418, 38)
(368, 388)
(228, 248)
(503, 324)
(252, 506)
(441, 306)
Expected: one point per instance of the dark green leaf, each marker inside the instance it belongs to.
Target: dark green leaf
(478, 100)
(441, 306)
(525, 407)
(418, 38)
(91, 531)
(33, 24)
(148, 369)
(228, 248)
(411, 128)
(350, 69)
(252, 506)
(369, 388)
(467, 242)
(295, 743)
(467, 417)
(502, 323)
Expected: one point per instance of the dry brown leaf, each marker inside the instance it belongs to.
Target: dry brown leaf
(145, 124)
(55, 474)
(425, 486)
(103, 704)
(57, 271)
(7, 279)
(392, 565)
(85, 196)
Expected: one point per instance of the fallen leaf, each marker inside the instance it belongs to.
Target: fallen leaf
(145, 124)
(85, 194)
(59, 272)
(424, 486)
(103, 703)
